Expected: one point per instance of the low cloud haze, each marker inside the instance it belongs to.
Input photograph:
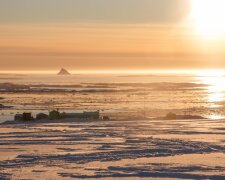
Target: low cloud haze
(110, 11)
(101, 34)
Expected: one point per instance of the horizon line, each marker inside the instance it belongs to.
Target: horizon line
(125, 71)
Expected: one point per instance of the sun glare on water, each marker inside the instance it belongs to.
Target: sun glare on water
(215, 81)
(209, 17)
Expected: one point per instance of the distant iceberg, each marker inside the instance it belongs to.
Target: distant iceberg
(63, 72)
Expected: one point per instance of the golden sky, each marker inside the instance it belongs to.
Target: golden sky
(110, 35)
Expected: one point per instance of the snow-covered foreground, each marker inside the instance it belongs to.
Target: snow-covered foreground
(126, 149)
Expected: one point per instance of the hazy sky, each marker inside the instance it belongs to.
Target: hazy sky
(100, 34)
(110, 11)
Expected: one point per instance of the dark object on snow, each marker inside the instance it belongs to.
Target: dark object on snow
(41, 116)
(54, 115)
(27, 117)
(190, 117)
(18, 117)
(84, 115)
(180, 117)
(4, 107)
(171, 116)
(105, 118)
(63, 72)
(92, 115)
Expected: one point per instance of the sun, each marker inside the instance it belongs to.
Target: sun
(209, 17)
